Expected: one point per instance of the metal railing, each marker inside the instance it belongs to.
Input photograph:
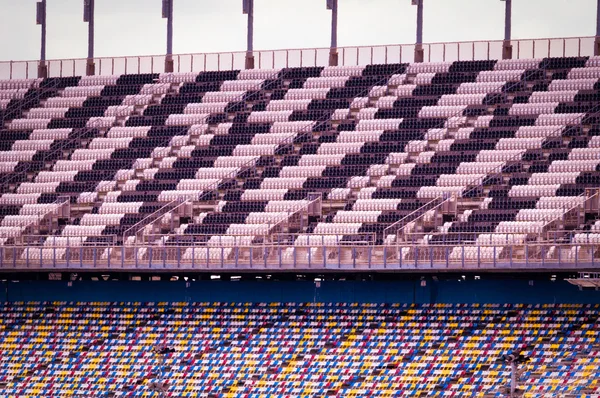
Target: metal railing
(439, 202)
(318, 257)
(284, 144)
(57, 153)
(351, 55)
(297, 239)
(397, 227)
(58, 208)
(478, 184)
(550, 225)
(68, 240)
(168, 208)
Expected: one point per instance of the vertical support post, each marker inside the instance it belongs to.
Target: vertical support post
(167, 12)
(88, 16)
(597, 40)
(333, 54)
(41, 20)
(419, 53)
(507, 46)
(513, 379)
(248, 8)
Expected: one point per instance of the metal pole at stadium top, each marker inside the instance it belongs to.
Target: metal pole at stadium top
(88, 16)
(507, 46)
(419, 54)
(507, 20)
(597, 41)
(167, 12)
(248, 9)
(419, 21)
(41, 20)
(333, 54)
(598, 19)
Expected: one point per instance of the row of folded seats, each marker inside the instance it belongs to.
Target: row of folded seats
(573, 185)
(254, 135)
(349, 78)
(347, 349)
(130, 154)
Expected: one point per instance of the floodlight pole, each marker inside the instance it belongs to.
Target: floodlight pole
(333, 54)
(507, 46)
(167, 12)
(88, 16)
(597, 41)
(248, 8)
(41, 20)
(419, 53)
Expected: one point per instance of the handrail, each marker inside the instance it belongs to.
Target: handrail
(143, 223)
(9, 177)
(479, 182)
(26, 223)
(211, 189)
(368, 237)
(485, 242)
(170, 207)
(35, 240)
(291, 213)
(289, 140)
(275, 238)
(255, 257)
(495, 172)
(47, 156)
(441, 125)
(573, 207)
(26, 101)
(275, 244)
(349, 55)
(272, 224)
(402, 222)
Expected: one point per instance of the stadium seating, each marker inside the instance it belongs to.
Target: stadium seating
(64, 349)
(514, 140)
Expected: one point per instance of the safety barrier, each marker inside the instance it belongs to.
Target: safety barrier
(350, 257)
(356, 55)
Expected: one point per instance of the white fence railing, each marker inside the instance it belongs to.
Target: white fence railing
(265, 59)
(344, 256)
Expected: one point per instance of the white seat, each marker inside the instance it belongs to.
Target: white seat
(283, 183)
(198, 184)
(264, 194)
(337, 228)
(50, 134)
(98, 80)
(286, 105)
(186, 120)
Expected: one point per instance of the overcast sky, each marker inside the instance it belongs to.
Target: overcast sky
(135, 27)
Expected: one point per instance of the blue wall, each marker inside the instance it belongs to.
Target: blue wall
(481, 291)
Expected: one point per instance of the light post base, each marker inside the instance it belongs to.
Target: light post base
(333, 58)
(42, 70)
(249, 61)
(419, 53)
(507, 50)
(168, 65)
(90, 68)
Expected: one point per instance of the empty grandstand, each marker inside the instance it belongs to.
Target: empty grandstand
(385, 342)
(381, 221)
(445, 164)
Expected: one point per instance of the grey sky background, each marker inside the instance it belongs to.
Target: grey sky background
(135, 27)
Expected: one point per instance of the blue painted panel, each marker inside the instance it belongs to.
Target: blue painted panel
(454, 291)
